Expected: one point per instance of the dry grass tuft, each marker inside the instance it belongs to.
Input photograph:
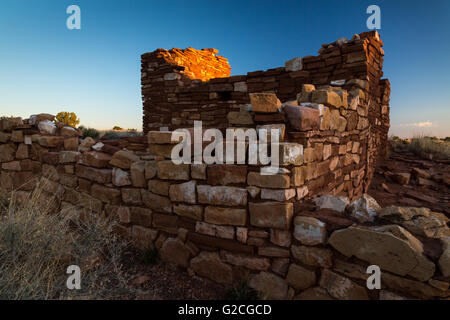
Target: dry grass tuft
(37, 246)
(423, 146)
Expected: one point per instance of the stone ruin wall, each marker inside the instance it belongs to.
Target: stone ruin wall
(229, 222)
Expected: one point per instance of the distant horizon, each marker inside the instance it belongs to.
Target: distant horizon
(95, 71)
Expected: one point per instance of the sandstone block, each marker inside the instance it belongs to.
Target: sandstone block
(342, 288)
(184, 192)
(276, 181)
(108, 195)
(120, 177)
(159, 187)
(309, 230)
(209, 265)
(226, 216)
(313, 256)
(391, 247)
(137, 171)
(155, 202)
(277, 194)
(102, 176)
(269, 286)
(302, 118)
(167, 170)
(95, 159)
(174, 251)
(226, 174)
(250, 262)
(229, 196)
(300, 278)
(123, 159)
(271, 214)
(189, 211)
(264, 102)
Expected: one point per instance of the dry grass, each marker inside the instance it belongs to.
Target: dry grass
(423, 146)
(36, 248)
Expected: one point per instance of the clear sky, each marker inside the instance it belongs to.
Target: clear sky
(95, 71)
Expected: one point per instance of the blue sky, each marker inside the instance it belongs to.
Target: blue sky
(95, 71)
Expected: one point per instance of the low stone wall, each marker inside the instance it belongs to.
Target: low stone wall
(228, 222)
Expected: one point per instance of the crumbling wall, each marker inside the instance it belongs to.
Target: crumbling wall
(227, 222)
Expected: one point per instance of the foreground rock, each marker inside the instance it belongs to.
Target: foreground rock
(390, 247)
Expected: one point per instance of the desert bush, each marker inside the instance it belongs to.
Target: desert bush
(89, 132)
(117, 128)
(422, 146)
(111, 135)
(37, 246)
(429, 148)
(68, 118)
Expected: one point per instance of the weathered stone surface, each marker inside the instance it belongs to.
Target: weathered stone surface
(302, 118)
(387, 295)
(108, 195)
(98, 175)
(5, 137)
(229, 196)
(123, 159)
(137, 171)
(309, 230)
(226, 216)
(264, 102)
(159, 187)
(313, 256)
(68, 157)
(155, 202)
(341, 288)
(198, 171)
(225, 232)
(294, 64)
(391, 247)
(143, 237)
(278, 195)
(401, 178)
(269, 286)
(281, 238)
(420, 221)
(279, 127)
(50, 141)
(71, 144)
(120, 177)
(306, 93)
(184, 192)
(12, 166)
(163, 137)
(271, 214)
(240, 118)
(86, 144)
(277, 181)
(410, 287)
(68, 131)
(328, 98)
(209, 265)
(273, 252)
(316, 293)
(444, 260)
(364, 209)
(300, 278)
(17, 136)
(95, 159)
(226, 174)
(189, 211)
(7, 124)
(7, 153)
(47, 127)
(250, 262)
(167, 170)
(163, 150)
(174, 251)
(336, 203)
(131, 196)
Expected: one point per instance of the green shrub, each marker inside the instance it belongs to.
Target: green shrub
(89, 132)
